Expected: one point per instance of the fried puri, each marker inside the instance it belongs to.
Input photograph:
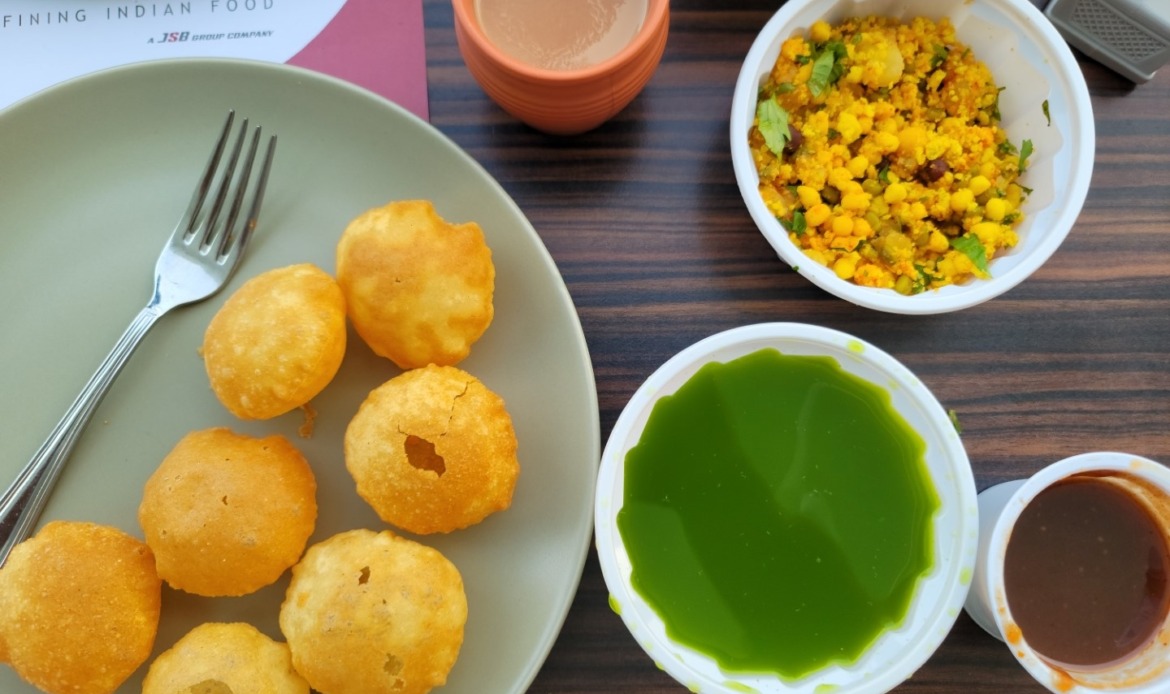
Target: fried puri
(80, 605)
(227, 514)
(433, 450)
(224, 657)
(418, 289)
(374, 612)
(276, 342)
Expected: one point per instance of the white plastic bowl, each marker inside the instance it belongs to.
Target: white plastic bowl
(1000, 506)
(1026, 55)
(940, 594)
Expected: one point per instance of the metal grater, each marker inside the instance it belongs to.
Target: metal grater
(1131, 37)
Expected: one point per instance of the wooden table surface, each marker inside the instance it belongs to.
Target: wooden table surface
(647, 226)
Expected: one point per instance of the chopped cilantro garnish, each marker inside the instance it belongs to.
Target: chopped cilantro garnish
(833, 133)
(1025, 152)
(1006, 147)
(827, 68)
(939, 56)
(1047, 115)
(785, 87)
(972, 247)
(995, 114)
(954, 417)
(883, 175)
(773, 123)
(923, 272)
(798, 226)
(924, 279)
(818, 82)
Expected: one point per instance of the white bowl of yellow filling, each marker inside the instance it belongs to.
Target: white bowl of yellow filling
(903, 206)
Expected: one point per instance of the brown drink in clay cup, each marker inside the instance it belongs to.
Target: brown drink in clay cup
(563, 67)
(1073, 573)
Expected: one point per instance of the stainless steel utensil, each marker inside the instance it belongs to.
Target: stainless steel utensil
(197, 261)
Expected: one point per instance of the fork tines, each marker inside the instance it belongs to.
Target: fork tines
(205, 217)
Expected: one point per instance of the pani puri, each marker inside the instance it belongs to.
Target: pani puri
(80, 605)
(276, 342)
(418, 289)
(433, 450)
(233, 657)
(226, 514)
(374, 612)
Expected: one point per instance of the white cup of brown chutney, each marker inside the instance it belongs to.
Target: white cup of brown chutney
(1072, 573)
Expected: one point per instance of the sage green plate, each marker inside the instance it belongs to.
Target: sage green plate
(94, 174)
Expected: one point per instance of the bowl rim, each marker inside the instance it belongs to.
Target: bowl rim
(952, 570)
(1069, 79)
(656, 20)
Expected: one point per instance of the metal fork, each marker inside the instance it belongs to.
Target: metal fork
(197, 261)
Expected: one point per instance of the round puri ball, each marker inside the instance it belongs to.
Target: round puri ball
(433, 450)
(226, 514)
(80, 605)
(374, 612)
(418, 289)
(276, 342)
(233, 657)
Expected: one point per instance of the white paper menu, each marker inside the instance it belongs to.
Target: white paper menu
(377, 44)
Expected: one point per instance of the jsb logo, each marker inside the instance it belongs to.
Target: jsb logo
(175, 37)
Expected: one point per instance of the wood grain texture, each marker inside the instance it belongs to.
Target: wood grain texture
(644, 220)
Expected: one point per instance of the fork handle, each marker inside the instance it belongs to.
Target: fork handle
(22, 503)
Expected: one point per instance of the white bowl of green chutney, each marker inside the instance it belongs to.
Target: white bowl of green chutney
(783, 507)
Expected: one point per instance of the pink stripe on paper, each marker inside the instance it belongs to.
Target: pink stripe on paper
(378, 45)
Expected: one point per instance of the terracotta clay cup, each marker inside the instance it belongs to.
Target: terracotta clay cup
(563, 102)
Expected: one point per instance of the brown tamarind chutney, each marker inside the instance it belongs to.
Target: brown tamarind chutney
(1085, 573)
